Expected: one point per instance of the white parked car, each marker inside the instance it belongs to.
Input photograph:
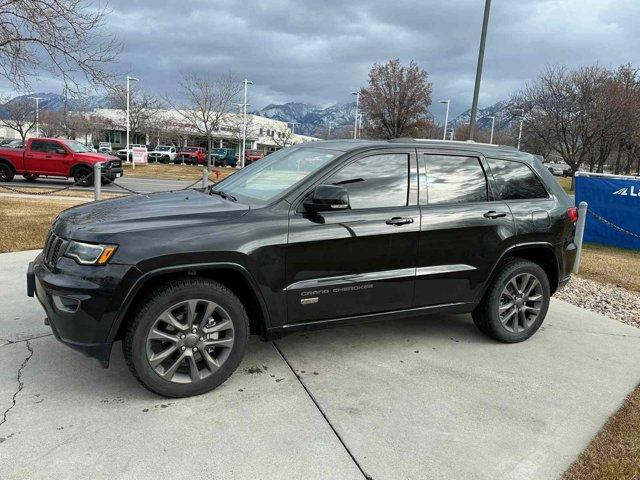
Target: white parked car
(125, 153)
(163, 154)
(559, 169)
(105, 147)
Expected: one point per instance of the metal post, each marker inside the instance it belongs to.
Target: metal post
(476, 88)
(355, 121)
(244, 122)
(493, 124)
(97, 180)
(446, 118)
(582, 218)
(205, 178)
(520, 132)
(129, 153)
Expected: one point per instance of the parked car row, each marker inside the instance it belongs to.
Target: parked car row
(219, 157)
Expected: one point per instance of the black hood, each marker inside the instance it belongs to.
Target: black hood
(136, 213)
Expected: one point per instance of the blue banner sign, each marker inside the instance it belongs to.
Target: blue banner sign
(613, 215)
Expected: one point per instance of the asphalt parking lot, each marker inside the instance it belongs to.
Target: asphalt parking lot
(417, 398)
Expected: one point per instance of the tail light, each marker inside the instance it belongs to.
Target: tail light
(572, 213)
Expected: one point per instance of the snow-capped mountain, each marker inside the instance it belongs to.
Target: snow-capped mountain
(55, 102)
(505, 119)
(311, 119)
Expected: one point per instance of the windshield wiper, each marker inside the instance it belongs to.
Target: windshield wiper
(224, 195)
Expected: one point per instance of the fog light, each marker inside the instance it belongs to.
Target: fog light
(66, 304)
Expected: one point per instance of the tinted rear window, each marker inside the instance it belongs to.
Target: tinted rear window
(515, 180)
(453, 179)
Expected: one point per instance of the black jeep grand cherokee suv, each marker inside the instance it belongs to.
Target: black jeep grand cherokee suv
(320, 234)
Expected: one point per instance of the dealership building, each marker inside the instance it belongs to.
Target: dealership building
(171, 128)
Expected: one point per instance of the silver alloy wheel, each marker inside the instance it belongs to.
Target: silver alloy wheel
(190, 340)
(520, 302)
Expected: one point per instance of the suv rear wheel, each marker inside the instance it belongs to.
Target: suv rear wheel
(186, 338)
(515, 304)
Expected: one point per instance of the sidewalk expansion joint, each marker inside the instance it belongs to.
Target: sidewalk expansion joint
(324, 415)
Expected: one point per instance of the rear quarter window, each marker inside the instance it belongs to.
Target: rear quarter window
(515, 180)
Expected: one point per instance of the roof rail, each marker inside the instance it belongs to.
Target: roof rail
(436, 140)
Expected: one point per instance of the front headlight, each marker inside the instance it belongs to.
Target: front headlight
(90, 253)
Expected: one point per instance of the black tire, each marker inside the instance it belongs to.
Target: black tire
(134, 344)
(83, 176)
(6, 173)
(106, 181)
(30, 177)
(486, 314)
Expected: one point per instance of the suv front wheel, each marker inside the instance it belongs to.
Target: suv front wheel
(516, 302)
(186, 338)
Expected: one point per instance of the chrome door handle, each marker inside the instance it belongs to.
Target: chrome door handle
(494, 214)
(397, 221)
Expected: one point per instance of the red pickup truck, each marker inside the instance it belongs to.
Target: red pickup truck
(57, 157)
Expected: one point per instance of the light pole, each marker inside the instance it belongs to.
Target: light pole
(520, 128)
(244, 121)
(293, 127)
(476, 88)
(329, 134)
(37, 99)
(446, 118)
(359, 122)
(451, 134)
(493, 124)
(355, 121)
(129, 152)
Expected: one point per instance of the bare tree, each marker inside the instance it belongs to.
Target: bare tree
(283, 137)
(569, 111)
(62, 37)
(396, 102)
(19, 115)
(144, 108)
(233, 124)
(208, 101)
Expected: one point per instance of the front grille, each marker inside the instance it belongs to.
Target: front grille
(53, 249)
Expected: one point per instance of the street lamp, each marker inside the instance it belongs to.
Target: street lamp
(329, 134)
(476, 88)
(244, 121)
(129, 152)
(493, 124)
(520, 128)
(37, 99)
(446, 118)
(355, 121)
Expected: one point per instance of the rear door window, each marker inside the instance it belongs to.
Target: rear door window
(453, 179)
(515, 180)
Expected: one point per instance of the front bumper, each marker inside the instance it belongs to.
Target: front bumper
(113, 173)
(80, 302)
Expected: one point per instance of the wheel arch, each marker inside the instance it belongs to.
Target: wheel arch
(233, 276)
(4, 161)
(79, 165)
(540, 253)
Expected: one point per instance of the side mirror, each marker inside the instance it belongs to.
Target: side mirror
(327, 198)
(60, 151)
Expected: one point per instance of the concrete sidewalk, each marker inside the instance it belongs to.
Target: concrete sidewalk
(416, 398)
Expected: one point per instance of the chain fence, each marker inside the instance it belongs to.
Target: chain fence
(609, 223)
(37, 191)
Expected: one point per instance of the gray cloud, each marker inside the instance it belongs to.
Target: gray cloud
(319, 51)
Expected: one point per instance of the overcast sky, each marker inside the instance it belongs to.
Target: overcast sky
(318, 51)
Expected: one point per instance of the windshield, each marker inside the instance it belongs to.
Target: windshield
(221, 151)
(263, 181)
(162, 148)
(77, 147)
(189, 149)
